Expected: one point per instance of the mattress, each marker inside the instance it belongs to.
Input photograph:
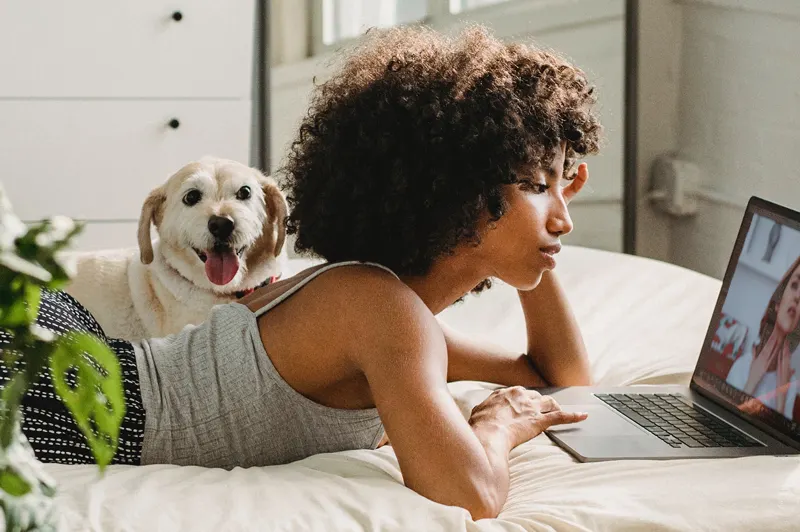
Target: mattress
(643, 323)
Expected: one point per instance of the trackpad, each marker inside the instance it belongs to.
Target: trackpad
(602, 421)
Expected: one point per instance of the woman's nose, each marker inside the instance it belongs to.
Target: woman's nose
(559, 223)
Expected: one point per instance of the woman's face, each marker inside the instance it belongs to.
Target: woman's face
(522, 244)
(789, 305)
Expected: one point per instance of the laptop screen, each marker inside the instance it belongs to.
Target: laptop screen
(751, 358)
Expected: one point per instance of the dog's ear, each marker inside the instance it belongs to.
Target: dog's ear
(152, 211)
(276, 211)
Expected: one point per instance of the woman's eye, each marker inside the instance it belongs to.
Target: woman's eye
(536, 188)
(192, 197)
(243, 193)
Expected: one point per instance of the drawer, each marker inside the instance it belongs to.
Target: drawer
(98, 160)
(126, 49)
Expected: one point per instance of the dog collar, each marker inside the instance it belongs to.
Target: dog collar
(238, 295)
(247, 291)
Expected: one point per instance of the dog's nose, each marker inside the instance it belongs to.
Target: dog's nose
(220, 226)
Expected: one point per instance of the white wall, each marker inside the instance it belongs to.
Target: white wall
(739, 118)
(590, 32)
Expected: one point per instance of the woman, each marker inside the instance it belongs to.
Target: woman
(765, 370)
(424, 167)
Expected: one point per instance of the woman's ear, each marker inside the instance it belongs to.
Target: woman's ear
(152, 211)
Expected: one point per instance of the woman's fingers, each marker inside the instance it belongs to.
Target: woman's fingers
(571, 190)
(560, 417)
(548, 404)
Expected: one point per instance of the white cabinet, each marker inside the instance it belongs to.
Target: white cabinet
(98, 159)
(126, 48)
(101, 101)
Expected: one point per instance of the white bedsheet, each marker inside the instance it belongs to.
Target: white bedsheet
(643, 323)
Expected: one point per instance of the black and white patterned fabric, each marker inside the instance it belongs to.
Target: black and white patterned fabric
(47, 423)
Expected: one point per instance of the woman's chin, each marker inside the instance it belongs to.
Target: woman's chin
(529, 282)
(786, 323)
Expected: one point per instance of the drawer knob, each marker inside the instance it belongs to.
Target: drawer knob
(174, 123)
(177, 16)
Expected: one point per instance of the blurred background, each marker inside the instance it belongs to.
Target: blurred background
(101, 101)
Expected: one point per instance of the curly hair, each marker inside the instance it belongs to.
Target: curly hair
(409, 144)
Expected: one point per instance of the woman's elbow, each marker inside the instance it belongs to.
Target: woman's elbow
(482, 502)
(486, 504)
(483, 512)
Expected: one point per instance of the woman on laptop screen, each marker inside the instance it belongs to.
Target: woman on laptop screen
(765, 369)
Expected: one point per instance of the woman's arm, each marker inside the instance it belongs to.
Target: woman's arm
(555, 346)
(403, 355)
(470, 360)
(554, 338)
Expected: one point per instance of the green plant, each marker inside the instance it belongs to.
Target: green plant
(28, 264)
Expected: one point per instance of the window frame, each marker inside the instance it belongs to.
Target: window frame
(438, 14)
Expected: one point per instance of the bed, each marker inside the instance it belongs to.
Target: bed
(643, 322)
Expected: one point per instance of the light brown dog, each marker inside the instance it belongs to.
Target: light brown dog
(220, 227)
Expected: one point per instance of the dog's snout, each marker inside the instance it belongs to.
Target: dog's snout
(220, 226)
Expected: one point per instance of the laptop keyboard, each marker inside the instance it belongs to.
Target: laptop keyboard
(673, 420)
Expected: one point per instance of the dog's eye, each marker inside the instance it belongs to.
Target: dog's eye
(192, 197)
(243, 193)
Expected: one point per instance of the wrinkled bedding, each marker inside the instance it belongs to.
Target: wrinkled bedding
(643, 323)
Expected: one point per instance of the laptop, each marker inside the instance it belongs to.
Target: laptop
(714, 417)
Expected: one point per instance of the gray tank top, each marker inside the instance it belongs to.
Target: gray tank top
(213, 398)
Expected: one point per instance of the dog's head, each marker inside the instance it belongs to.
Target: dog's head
(220, 224)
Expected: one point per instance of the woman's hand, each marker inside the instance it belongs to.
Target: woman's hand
(755, 405)
(764, 358)
(520, 414)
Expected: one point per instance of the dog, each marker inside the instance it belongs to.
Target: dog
(220, 227)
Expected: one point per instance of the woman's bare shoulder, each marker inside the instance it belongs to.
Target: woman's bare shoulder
(381, 313)
(371, 293)
(359, 310)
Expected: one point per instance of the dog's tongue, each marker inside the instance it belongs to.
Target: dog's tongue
(221, 266)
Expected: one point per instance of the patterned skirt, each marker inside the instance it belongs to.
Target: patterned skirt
(46, 422)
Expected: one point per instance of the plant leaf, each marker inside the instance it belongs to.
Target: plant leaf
(13, 391)
(10, 400)
(22, 265)
(12, 483)
(97, 401)
(14, 313)
(33, 295)
(8, 422)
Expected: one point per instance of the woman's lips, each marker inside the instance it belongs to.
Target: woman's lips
(551, 250)
(548, 253)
